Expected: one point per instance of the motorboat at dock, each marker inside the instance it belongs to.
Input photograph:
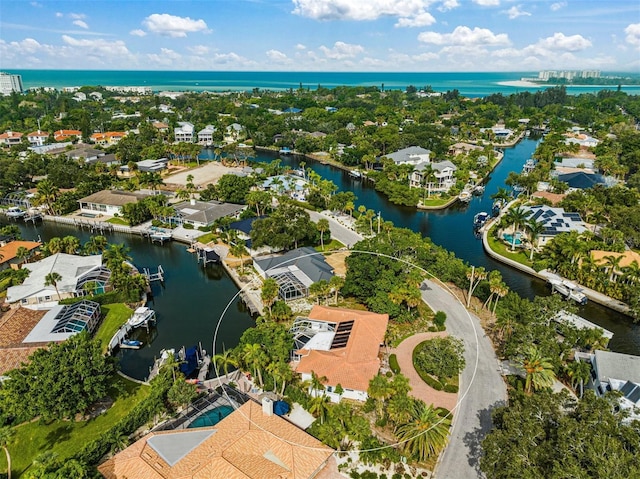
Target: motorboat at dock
(568, 289)
(480, 219)
(142, 316)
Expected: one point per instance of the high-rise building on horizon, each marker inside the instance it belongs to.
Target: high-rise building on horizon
(10, 83)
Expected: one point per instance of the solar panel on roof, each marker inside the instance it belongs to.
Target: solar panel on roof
(341, 337)
(627, 388)
(634, 397)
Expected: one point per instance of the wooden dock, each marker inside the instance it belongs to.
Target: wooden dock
(157, 276)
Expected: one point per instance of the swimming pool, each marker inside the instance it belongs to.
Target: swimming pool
(211, 417)
(88, 215)
(509, 239)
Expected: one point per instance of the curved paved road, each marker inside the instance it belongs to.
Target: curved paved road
(481, 386)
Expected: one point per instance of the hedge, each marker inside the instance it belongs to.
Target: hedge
(393, 364)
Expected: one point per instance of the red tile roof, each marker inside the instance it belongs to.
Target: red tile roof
(247, 444)
(354, 365)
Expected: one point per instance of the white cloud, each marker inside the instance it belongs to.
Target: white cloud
(81, 23)
(342, 50)
(36, 4)
(99, 46)
(77, 16)
(165, 57)
(507, 53)
(277, 56)
(557, 6)
(487, 3)
(515, 12)
(300, 46)
(423, 19)
(448, 5)
(633, 35)
(463, 35)
(359, 9)
(229, 58)
(138, 33)
(425, 57)
(559, 41)
(59, 14)
(173, 26)
(199, 49)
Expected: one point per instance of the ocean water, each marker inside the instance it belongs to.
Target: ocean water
(468, 84)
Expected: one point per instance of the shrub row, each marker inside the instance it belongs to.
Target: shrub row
(393, 364)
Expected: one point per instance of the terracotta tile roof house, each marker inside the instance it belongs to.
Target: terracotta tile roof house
(62, 135)
(247, 444)
(554, 198)
(37, 138)
(8, 252)
(342, 345)
(11, 138)
(108, 138)
(627, 259)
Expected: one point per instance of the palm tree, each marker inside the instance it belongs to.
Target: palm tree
(254, 357)
(538, 370)
(515, 217)
(115, 255)
(380, 389)
(52, 279)
(319, 406)
(47, 195)
(475, 276)
(6, 433)
(239, 249)
(425, 434)
(578, 372)
(22, 254)
(269, 292)
(501, 292)
(323, 227)
(70, 244)
(534, 230)
(336, 283)
(224, 360)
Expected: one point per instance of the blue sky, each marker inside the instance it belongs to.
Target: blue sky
(321, 35)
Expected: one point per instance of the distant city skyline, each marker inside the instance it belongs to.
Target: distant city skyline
(322, 35)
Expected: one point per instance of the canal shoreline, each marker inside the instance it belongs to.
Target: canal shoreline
(594, 296)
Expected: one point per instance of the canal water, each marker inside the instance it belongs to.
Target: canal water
(188, 305)
(193, 298)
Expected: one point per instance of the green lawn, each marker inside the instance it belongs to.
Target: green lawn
(330, 246)
(116, 315)
(118, 221)
(65, 438)
(205, 238)
(435, 202)
(520, 255)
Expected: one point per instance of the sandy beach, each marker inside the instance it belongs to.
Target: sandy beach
(523, 84)
(203, 175)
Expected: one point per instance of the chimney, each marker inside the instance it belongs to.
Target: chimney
(267, 406)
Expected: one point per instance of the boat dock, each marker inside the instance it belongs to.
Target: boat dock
(157, 276)
(118, 337)
(580, 323)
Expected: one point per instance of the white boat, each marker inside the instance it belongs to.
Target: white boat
(465, 196)
(131, 344)
(478, 190)
(160, 235)
(568, 289)
(480, 219)
(142, 316)
(285, 150)
(15, 212)
(355, 174)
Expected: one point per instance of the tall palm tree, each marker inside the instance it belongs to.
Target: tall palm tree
(426, 432)
(47, 194)
(380, 389)
(578, 372)
(254, 357)
(534, 230)
(115, 255)
(224, 360)
(319, 406)
(323, 227)
(475, 276)
(52, 279)
(6, 433)
(515, 217)
(538, 370)
(22, 254)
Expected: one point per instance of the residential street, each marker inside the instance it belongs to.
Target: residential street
(340, 232)
(481, 386)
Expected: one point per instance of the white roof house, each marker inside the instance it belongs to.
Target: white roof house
(184, 132)
(74, 271)
(205, 136)
(443, 175)
(410, 156)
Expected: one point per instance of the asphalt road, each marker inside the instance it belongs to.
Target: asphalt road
(481, 386)
(345, 235)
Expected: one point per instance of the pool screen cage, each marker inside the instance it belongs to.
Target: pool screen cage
(212, 400)
(78, 317)
(290, 287)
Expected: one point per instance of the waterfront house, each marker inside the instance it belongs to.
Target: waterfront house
(412, 155)
(581, 180)
(62, 322)
(205, 136)
(37, 138)
(9, 251)
(152, 166)
(10, 138)
(67, 135)
(201, 214)
(290, 185)
(234, 132)
(84, 153)
(443, 176)
(160, 126)
(183, 132)
(341, 345)
(555, 221)
(250, 443)
(463, 149)
(108, 202)
(615, 372)
(75, 271)
(295, 271)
